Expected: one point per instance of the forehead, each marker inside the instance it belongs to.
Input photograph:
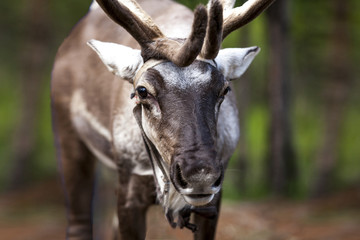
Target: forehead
(198, 74)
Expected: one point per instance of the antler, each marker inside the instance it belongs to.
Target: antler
(130, 16)
(153, 42)
(213, 38)
(223, 22)
(207, 32)
(238, 17)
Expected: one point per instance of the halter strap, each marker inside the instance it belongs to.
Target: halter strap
(148, 64)
(150, 148)
(155, 158)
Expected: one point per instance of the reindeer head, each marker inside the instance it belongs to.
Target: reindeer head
(180, 85)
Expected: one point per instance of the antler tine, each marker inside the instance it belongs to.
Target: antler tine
(242, 15)
(130, 16)
(213, 38)
(182, 54)
(223, 19)
(193, 45)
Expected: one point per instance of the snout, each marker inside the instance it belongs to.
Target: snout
(198, 183)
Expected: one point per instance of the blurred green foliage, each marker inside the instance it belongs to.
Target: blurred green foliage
(310, 23)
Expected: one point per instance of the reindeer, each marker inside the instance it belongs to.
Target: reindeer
(156, 107)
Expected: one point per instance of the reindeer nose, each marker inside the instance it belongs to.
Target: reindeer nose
(197, 178)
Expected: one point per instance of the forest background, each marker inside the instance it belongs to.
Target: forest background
(299, 102)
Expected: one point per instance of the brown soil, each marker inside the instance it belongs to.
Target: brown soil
(37, 213)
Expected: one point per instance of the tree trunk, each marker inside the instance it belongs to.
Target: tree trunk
(335, 98)
(281, 157)
(32, 63)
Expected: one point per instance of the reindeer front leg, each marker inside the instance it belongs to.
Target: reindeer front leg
(76, 165)
(78, 178)
(206, 220)
(134, 198)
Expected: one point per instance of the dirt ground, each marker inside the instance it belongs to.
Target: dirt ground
(37, 213)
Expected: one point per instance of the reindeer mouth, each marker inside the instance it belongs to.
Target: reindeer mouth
(198, 199)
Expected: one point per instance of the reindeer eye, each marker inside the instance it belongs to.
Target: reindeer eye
(228, 89)
(142, 92)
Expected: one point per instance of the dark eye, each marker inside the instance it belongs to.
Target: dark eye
(142, 92)
(228, 89)
(222, 95)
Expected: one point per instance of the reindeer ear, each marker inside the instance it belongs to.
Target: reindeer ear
(120, 60)
(233, 62)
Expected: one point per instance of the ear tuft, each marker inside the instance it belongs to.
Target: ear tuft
(233, 62)
(120, 60)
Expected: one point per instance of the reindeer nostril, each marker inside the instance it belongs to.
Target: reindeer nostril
(181, 181)
(218, 181)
